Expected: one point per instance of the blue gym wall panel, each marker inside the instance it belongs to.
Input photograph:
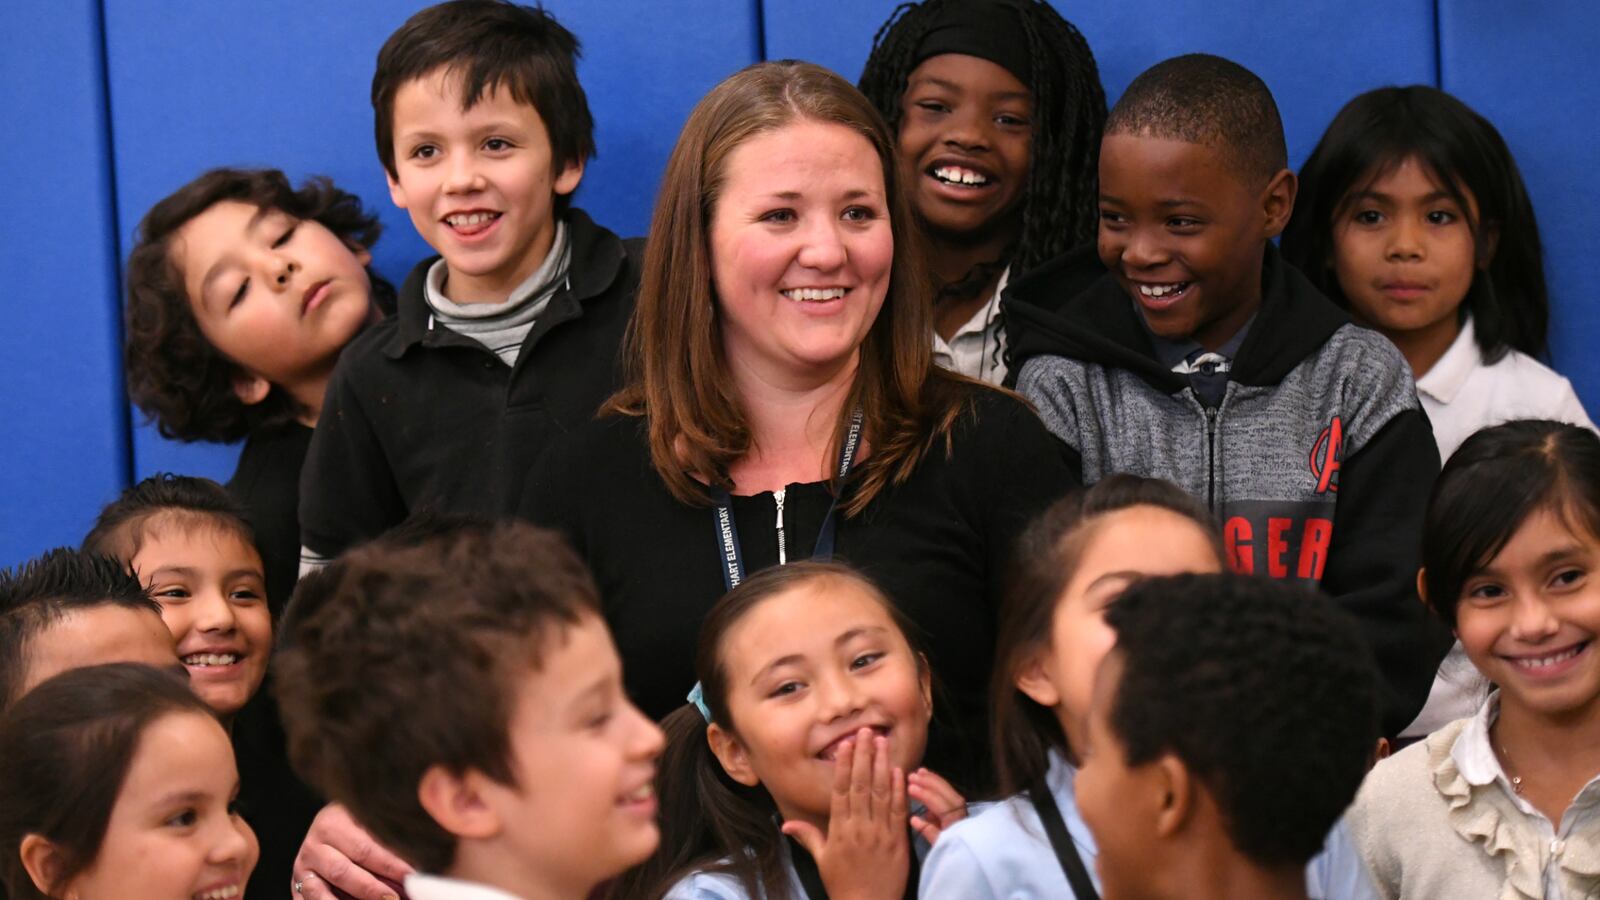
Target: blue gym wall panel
(286, 84)
(64, 453)
(1530, 69)
(1315, 55)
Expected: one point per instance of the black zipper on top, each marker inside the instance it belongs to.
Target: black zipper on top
(1211, 458)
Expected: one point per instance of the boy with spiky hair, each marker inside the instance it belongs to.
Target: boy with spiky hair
(509, 336)
(67, 609)
(1230, 728)
(1182, 347)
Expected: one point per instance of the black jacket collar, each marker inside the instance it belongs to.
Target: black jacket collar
(1072, 307)
(597, 257)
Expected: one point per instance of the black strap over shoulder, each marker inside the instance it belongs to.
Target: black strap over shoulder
(811, 879)
(1055, 828)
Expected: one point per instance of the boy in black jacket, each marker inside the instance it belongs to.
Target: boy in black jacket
(510, 336)
(1189, 351)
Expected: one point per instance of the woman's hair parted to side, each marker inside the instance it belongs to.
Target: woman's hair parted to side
(1062, 206)
(1491, 484)
(67, 746)
(175, 376)
(1046, 558)
(709, 821)
(1464, 153)
(677, 376)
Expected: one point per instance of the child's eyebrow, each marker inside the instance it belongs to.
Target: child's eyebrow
(184, 571)
(250, 227)
(1380, 197)
(182, 798)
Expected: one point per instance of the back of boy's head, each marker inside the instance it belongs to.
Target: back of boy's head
(180, 381)
(1372, 136)
(412, 658)
(1262, 689)
(43, 591)
(1047, 54)
(490, 45)
(1046, 556)
(67, 748)
(1491, 484)
(1205, 99)
(165, 500)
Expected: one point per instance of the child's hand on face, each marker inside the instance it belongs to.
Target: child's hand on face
(866, 853)
(943, 805)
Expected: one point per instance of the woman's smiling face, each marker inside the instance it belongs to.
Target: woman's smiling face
(801, 249)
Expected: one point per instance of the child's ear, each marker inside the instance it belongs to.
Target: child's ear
(1277, 202)
(925, 681)
(397, 194)
(731, 754)
(362, 254)
(1034, 679)
(1491, 243)
(1177, 800)
(42, 863)
(250, 389)
(566, 181)
(456, 802)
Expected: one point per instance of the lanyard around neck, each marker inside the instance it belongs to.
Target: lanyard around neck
(732, 558)
(1055, 828)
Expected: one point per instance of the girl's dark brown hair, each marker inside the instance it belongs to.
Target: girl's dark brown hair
(1494, 481)
(709, 822)
(1047, 555)
(676, 374)
(175, 376)
(67, 746)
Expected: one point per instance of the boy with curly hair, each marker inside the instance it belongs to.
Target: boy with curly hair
(242, 291)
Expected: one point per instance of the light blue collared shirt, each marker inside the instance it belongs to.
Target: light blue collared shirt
(1004, 854)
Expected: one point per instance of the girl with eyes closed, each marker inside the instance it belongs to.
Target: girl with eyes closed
(781, 404)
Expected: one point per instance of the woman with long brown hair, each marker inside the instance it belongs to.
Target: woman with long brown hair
(781, 403)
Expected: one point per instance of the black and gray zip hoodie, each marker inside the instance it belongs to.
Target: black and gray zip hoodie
(1317, 462)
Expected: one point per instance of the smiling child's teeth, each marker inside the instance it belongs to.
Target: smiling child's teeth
(1161, 290)
(641, 794)
(813, 294)
(461, 221)
(210, 659)
(958, 175)
(223, 893)
(1543, 661)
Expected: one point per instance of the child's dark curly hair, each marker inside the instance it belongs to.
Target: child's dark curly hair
(1061, 208)
(180, 381)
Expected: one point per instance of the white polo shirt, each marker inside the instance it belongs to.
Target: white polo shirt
(977, 349)
(1461, 395)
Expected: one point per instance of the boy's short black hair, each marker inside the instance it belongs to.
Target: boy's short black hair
(1205, 99)
(489, 45)
(1491, 484)
(122, 526)
(175, 376)
(1263, 689)
(407, 657)
(45, 590)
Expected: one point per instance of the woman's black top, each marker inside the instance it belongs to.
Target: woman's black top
(939, 544)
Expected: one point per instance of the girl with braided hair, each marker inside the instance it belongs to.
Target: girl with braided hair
(997, 109)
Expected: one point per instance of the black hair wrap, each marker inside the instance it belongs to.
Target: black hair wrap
(987, 29)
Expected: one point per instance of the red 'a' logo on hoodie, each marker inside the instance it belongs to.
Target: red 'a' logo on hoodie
(1326, 454)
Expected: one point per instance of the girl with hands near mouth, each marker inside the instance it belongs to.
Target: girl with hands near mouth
(786, 775)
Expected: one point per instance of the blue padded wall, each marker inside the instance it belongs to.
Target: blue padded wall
(64, 453)
(1532, 74)
(1314, 60)
(197, 85)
